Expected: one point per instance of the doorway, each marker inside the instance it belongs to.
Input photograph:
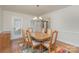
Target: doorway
(16, 27)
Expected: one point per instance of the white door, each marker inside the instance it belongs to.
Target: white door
(16, 27)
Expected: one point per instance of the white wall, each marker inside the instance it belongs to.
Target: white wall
(7, 20)
(66, 21)
(8, 16)
(0, 20)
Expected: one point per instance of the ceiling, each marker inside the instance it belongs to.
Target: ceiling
(33, 9)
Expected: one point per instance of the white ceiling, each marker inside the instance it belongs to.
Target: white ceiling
(33, 9)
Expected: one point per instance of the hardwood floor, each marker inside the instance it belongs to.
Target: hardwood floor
(15, 49)
(71, 48)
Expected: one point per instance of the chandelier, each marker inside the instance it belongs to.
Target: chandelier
(37, 18)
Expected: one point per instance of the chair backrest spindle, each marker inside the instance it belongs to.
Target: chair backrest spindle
(54, 36)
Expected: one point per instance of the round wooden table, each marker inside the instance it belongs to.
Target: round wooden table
(40, 36)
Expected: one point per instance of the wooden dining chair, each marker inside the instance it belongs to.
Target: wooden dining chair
(51, 44)
(22, 42)
(25, 36)
(30, 30)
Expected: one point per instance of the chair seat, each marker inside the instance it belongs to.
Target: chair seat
(35, 42)
(46, 44)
